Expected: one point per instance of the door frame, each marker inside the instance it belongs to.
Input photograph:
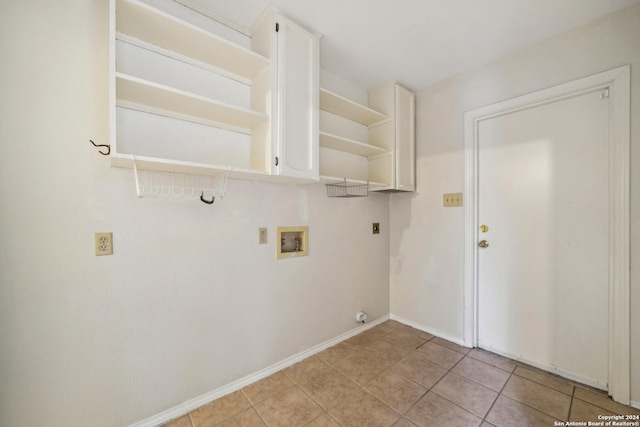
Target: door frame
(617, 83)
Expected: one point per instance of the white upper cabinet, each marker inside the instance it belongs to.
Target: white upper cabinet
(373, 143)
(294, 75)
(187, 100)
(184, 99)
(398, 135)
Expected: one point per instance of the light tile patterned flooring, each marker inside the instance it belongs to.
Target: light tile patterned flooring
(396, 375)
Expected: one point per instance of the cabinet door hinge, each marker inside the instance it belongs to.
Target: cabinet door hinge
(277, 27)
(276, 161)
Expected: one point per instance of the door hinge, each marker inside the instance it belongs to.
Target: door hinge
(277, 27)
(276, 161)
(604, 94)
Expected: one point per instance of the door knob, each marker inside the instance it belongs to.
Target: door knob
(483, 244)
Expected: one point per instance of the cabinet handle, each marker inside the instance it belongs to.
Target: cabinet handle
(276, 161)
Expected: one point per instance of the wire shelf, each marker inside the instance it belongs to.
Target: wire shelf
(342, 189)
(169, 185)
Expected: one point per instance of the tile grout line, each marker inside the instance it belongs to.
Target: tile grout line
(498, 396)
(431, 388)
(388, 368)
(453, 403)
(573, 393)
(324, 411)
(428, 389)
(253, 407)
(598, 406)
(527, 405)
(476, 382)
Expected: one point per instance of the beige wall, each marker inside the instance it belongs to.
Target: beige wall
(189, 302)
(426, 239)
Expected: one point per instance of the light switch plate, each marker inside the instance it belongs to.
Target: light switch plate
(375, 228)
(262, 235)
(452, 200)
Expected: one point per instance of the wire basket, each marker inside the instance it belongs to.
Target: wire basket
(342, 189)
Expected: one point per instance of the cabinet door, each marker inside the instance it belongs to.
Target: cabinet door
(405, 140)
(298, 93)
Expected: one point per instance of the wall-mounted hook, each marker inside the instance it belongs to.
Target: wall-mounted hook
(209, 202)
(102, 145)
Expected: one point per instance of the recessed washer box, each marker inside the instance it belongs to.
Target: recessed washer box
(292, 242)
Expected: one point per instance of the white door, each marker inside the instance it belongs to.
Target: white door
(543, 194)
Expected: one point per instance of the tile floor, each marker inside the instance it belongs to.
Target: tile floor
(396, 375)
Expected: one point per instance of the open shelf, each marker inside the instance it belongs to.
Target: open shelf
(193, 168)
(143, 95)
(347, 145)
(151, 25)
(344, 107)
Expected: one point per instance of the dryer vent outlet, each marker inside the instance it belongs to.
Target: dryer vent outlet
(361, 317)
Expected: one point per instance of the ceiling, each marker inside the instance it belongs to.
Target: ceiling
(420, 42)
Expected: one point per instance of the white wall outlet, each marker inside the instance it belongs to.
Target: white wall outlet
(103, 243)
(262, 235)
(452, 200)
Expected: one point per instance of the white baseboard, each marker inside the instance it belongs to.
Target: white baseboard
(188, 406)
(635, 404)
(431, 331)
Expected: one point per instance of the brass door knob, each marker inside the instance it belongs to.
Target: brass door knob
(483, 244)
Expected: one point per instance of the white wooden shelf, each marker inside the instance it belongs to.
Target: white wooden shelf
(151, 25)
(143, 95)
(344, 107)
(176, 166)
(194, 168)
(347, 145)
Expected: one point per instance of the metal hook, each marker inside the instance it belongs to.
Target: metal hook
(209, 202)
(102, 145)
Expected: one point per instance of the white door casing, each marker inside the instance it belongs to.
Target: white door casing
(617, 83)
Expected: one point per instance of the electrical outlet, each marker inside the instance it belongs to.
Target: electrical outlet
(375, 228)
(262, 235)
(452, 200)
(103, 243)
